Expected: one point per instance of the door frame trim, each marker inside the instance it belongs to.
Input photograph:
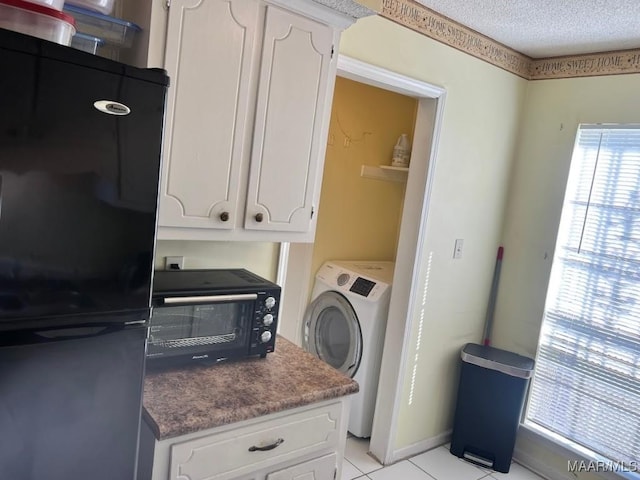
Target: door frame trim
(295, 259)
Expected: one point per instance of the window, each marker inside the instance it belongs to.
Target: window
(586, 386)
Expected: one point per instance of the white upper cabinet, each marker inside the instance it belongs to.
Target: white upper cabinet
(288, 141)
(209, 52)
(247, 117)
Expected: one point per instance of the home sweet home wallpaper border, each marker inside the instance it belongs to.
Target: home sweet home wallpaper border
(438, 27)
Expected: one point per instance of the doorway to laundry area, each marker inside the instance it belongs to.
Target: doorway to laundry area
(402, 200)
(362, 195)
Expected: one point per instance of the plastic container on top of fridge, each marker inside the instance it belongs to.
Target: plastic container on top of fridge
(103, 6)
(112, 30)
(86, 43)
(37, 20)
(55, 4)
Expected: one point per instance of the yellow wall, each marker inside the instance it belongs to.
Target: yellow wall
(477, 144)
(358, 217)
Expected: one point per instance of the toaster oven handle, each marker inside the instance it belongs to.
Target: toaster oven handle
(208, 298)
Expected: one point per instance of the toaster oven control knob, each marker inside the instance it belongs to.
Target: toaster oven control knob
(265, 337)
(267, 320)
(269, 302)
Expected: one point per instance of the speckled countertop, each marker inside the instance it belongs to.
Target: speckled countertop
(189, 399)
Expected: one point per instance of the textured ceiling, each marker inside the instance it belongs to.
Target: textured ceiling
(348, 7)
(548, 28)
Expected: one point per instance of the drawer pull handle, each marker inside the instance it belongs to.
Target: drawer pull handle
(279, 441)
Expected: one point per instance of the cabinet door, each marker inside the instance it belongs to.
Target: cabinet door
(258, 447)
(322, 468)
(210, 44)
(288, 144)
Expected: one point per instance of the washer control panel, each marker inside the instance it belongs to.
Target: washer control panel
(362, 286)
(341, 278)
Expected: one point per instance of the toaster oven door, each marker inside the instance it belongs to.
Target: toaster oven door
(211, 331)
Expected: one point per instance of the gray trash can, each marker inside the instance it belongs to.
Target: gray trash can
(491, 393)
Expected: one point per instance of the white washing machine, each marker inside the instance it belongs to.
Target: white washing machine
(344, 325)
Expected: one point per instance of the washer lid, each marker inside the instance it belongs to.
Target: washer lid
(331, 332)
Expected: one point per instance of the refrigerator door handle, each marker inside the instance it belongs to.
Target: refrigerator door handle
(58, 334)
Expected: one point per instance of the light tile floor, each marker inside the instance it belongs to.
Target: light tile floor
(436, 464)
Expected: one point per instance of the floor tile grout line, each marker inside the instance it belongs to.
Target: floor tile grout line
(487, 475)
(482, 477)
(354, 466)
(361, 473)
(375, 470)
(420, 468)
(380, 467)
(366, 453)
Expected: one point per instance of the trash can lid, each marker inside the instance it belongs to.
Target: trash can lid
(497, 359)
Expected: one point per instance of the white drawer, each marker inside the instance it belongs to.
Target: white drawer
(233, 453)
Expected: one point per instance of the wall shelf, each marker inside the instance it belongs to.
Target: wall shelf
(385, 172)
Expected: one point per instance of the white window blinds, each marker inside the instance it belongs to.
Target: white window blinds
(586, 386)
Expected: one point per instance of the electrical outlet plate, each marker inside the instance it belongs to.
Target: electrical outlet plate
(457, 249)
(173, 263)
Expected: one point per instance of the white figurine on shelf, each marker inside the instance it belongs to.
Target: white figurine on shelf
(401, 152)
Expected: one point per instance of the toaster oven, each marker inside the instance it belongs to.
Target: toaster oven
(211, 315)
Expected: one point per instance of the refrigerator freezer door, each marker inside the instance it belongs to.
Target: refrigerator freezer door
(80, 149)
(70, 403)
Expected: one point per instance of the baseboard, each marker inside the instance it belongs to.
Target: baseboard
(420, 447)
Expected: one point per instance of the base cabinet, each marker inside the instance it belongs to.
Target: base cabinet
(303, 443)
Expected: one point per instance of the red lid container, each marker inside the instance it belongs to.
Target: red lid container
(37, 20)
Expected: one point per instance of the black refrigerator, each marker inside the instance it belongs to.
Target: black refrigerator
(80, 150)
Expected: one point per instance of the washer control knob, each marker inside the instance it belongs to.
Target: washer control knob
(269, 302)
(265, 337)
(267, 320)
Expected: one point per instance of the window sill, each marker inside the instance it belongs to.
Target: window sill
(539, 437)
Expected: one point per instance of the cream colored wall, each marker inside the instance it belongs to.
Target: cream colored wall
(259, 257)
(477, 144)
(358, 217)
(372, 4)
(553, 110)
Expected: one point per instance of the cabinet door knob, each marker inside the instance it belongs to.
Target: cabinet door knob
(224, 216)
(259, 217)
